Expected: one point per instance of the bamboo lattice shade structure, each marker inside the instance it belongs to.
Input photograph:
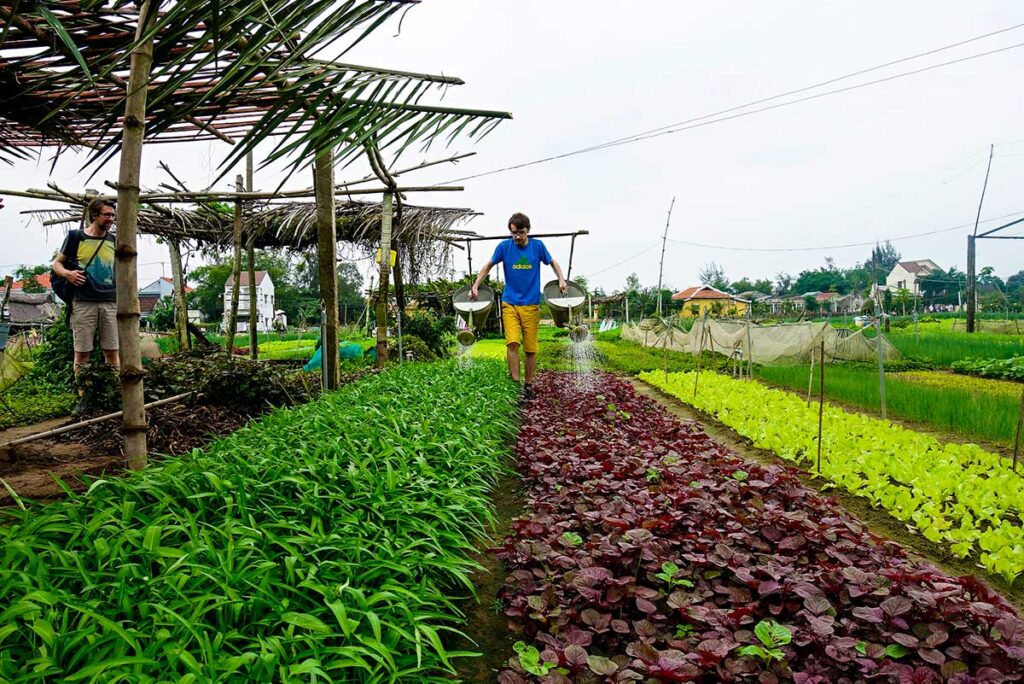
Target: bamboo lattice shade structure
(291, 225)
(47, 98)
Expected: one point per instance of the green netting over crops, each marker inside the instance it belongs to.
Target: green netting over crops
(323, 543)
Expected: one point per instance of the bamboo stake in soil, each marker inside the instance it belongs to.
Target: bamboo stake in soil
(236, 272)
(180, 306)
(385, 277)
(132, 401)
(810, 379)
(254, 343)
(1016, 439)
(327, 261)
(821, 398)
(700, 351)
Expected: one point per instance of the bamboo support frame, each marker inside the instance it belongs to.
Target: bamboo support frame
(236, 273)
(180, 305)
(253, 332)
(323, 177)
(130, 350)
(821, 399)
(385, 279)
(1016, 439)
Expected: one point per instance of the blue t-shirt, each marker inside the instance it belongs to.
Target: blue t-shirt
(522, 270)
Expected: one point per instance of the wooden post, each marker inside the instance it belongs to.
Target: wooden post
(700, 350)
(254, 340)
(810, 380)
(132, 402)
(572, 248)
(750, 352)
(881, 362)
(385, 277)
(1016, 439)
(399, 282)
(327, 259)
(971, 278)
(821, 398)
(180, 305)
(236, 273)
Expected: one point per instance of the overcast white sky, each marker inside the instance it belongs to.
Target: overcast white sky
(894, 159)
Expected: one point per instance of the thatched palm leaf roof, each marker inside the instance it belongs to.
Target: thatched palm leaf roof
(241, 71)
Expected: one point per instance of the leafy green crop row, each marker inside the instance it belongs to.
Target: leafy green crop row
(1004, 369)
(324, 543)
(959, 494)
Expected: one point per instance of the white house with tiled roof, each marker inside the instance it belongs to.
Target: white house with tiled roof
(264, 301)
(905, 274)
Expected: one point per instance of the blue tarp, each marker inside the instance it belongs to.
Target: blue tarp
(346, 351)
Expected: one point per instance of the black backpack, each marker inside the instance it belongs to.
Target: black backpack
(62, 287)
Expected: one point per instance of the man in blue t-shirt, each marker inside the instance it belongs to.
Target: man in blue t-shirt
(521, 258)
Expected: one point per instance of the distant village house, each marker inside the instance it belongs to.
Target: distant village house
(704, 300)
(264, 301)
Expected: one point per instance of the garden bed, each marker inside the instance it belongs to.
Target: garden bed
(328, 542)
(651, 552)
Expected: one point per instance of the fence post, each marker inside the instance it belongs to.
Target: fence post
(1016, 439)
(821, 398)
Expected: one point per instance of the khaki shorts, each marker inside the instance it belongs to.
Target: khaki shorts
(521, 323)
(86, 317)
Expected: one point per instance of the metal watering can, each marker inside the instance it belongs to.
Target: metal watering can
(562, 306)
(473, 312)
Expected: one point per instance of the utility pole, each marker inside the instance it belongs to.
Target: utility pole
(971, 246)
(664, 238)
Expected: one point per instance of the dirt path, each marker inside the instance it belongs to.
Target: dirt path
(877, 521)
(486, 625)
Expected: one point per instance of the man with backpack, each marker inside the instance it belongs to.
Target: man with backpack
(86, 262)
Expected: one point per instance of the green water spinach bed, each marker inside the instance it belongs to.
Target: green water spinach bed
(329, 543)
(651, 553)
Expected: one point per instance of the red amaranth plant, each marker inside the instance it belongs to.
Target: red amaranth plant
(622, 496)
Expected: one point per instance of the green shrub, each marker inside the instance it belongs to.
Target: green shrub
(435, 331)
(411, 344)
(99, 387)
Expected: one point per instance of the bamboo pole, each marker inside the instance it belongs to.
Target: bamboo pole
(327, 260)
(810, 379)
(382, 293)
(236, 273)
(254, 342)
(253, 331)
(700, 351)
(1016, 439)
(130, 350)
(821, 399)
(750, 351)
(90, 421)
(180, 305)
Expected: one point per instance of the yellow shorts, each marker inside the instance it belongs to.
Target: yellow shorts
(521, 323)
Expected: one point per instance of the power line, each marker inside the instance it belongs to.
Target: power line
(732, 248)
(708, 119)
(629, 258)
